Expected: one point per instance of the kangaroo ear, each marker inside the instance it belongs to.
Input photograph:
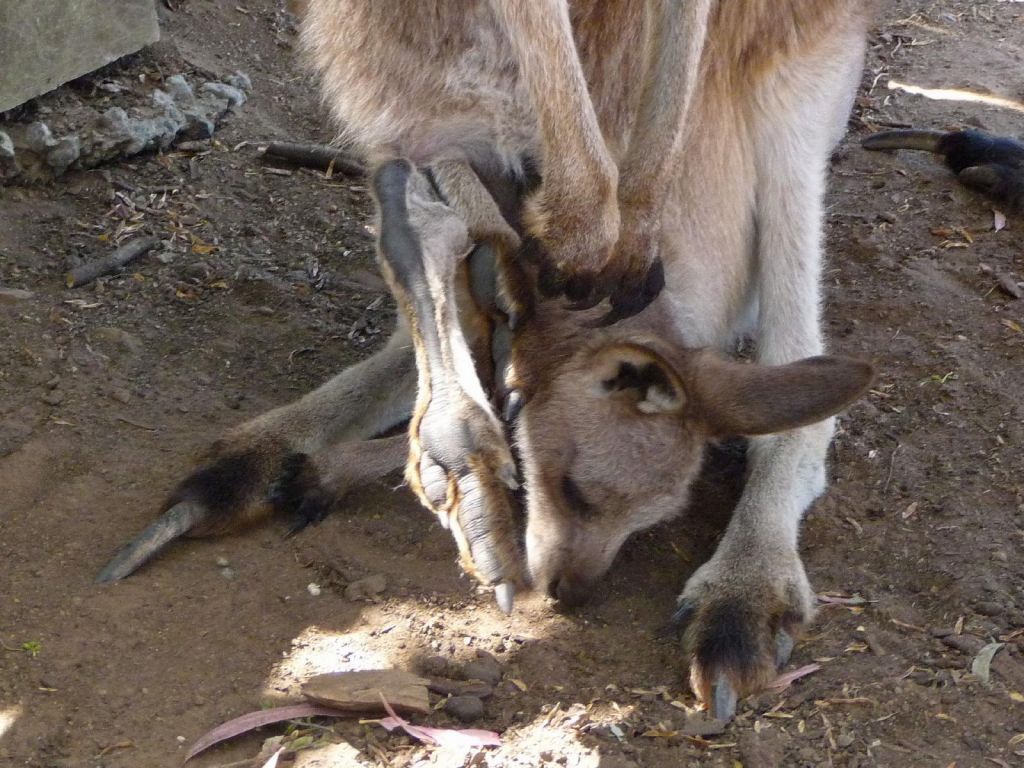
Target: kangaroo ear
(639, 376)
(735, 398)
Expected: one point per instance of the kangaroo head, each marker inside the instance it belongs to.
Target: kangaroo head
(612, 439)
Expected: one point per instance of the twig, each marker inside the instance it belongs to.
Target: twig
(892, 467)
(137, 425)
(112, 262)
(315, 156)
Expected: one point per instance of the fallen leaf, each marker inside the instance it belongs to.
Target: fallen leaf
(518, 684)
(1012, 325)
(980, 667)
(831, 598)
(442, 737)
(782, 682)
(998, 220)
(1018, 697)
(1008, 284)
(254, 720)
(910, 511)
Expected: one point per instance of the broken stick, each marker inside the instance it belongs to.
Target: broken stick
(112, 262)
(315, 156)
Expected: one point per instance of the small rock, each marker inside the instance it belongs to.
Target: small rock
(1009, 285)
(53, 397)
(989, 608)
(702, 725)
(233, 96)
(222, 562)
(128, 342)
(368, 588)
(433, 666)
(6, 147)
(968, 644)
(464, 708)
(14, 295)
(484, 668)
(120, 394)
(239, 80)
(1000, 556)
(844, 740)
(761, 750)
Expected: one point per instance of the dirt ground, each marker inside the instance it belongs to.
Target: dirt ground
(269, 286)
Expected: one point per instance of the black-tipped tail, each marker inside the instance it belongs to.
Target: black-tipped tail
(173, 524)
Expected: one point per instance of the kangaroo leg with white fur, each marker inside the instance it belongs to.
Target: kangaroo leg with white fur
(744, 607)
(460, 465)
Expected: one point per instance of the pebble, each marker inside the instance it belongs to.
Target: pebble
(14, 295)
(120, 394)
(760, 750)
(989, 608)
(128, 342)
(485, 668)
(433, 666)
(368, 588)
(1000, 556)
(464, 708)
(53, 397)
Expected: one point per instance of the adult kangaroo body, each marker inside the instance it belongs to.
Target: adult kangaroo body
(683, 144)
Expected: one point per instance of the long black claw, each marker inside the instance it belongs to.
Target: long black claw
(504, 595)
(783, 648)
(513, 405)
(632, 300)
(585, 304)
(723, 699)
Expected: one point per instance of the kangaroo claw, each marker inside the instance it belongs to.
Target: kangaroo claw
(504, 595)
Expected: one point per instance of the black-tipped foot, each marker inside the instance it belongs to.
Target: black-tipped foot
(298, 495)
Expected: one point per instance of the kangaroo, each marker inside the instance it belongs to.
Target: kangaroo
(516, 165)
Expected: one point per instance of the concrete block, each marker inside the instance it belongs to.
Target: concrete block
(45, 43)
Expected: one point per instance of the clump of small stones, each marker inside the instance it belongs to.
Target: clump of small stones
(177, 112)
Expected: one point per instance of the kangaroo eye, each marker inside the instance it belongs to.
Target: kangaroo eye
(576, 500)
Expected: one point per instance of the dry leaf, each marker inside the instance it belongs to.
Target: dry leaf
(782, 682)
(254, 720)
(910, 511)
(442, 737)
(982, 663)
(1012, 325)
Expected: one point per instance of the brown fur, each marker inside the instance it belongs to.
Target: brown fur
(726, 189)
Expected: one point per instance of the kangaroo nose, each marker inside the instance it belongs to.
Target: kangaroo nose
(569, 592)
